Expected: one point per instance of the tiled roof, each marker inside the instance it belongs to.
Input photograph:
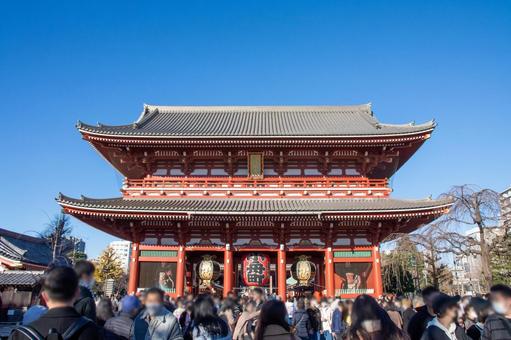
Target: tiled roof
(253, 206)
(20, 247)
(256, 121)
(20, 278)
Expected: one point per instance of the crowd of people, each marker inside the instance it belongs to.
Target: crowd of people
(69, 310)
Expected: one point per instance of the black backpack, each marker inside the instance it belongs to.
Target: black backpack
(32, 334)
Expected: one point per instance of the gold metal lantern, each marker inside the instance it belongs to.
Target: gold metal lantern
(208, 270)
(303, 270)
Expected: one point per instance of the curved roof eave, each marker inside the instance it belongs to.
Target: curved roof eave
(117, 205)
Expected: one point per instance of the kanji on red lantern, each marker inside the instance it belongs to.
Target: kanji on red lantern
(256, 270)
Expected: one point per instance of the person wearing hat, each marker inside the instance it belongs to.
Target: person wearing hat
(120, 325)
(444, 326)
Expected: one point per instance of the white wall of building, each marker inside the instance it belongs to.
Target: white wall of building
(123, 250)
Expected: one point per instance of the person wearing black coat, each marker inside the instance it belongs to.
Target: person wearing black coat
(85, 304)
(59, 289)
(418, 323)
(315, 320)
(407, 313)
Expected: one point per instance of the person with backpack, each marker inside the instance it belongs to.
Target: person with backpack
(61, 321)
(301, 323)
(85, 304)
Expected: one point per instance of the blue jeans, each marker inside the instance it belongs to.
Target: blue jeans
(314, 336)
(326, 335)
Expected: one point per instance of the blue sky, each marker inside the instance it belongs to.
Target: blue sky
(98, 61)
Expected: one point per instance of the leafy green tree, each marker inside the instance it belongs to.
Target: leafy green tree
(500, 258)
(397, 279)
(445, 278)
(401, 267)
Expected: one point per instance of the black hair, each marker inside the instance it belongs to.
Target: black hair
(228, 303)
(155, 290)
(366, 308)
(428, 291)
(300, 304)
(84, 267)
(205, 315)
(259, 290)
(61, 284)
(444, 303)
(273, 312)
(482, 308)
(501, 289)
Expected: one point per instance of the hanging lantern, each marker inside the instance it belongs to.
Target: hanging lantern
(209, 270)
(256, 270)
(303, 271)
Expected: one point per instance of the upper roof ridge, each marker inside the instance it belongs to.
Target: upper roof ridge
(149, 109)
(316, 121)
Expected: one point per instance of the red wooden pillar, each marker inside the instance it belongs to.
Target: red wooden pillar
(329, 273)
(133, 279)
(228, 269)
(281, 272)
(180, 271)
(378, 282)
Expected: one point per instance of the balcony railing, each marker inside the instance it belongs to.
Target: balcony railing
(266, 187)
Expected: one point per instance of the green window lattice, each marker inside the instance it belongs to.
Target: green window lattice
(158, 253)
(351, 254)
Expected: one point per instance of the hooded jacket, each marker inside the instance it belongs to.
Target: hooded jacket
(437, 331)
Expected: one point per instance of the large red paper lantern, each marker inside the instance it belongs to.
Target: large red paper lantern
(256, 270)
